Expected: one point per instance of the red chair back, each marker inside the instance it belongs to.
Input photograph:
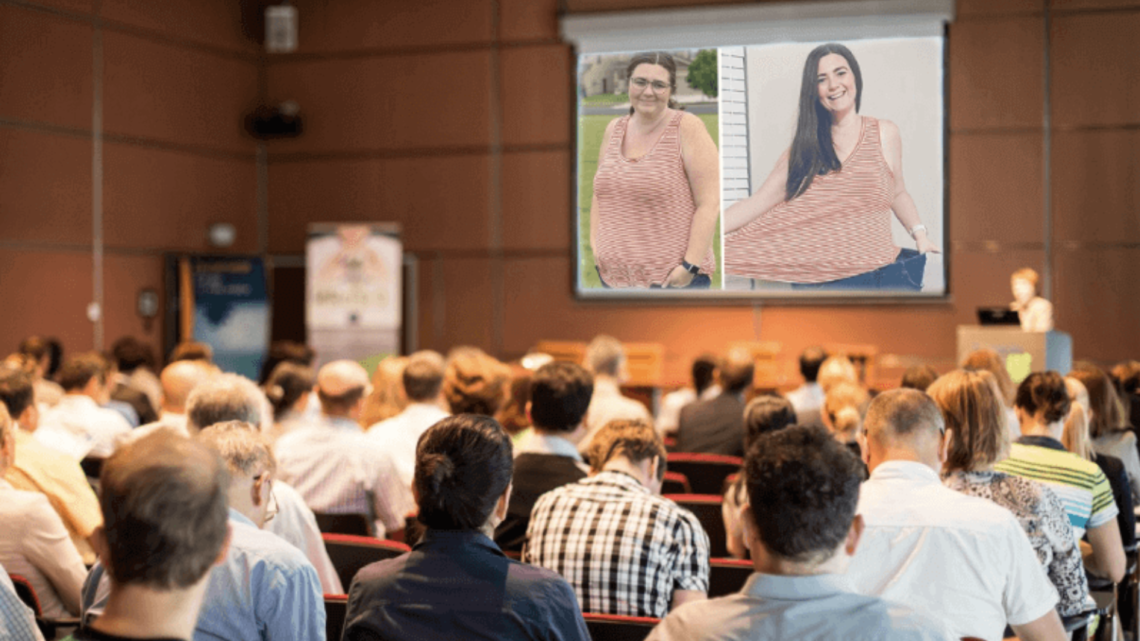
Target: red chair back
(27, 594)
(355, 524)
(706, 472)
(727, 576)
(675, 483)
(706, 507)
(351, 553)
(611, 627)
(336, 611)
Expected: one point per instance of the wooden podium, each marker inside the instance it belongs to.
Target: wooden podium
(1023, 352)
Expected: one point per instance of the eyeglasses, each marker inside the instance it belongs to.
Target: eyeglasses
(642, 83)
(271, 508)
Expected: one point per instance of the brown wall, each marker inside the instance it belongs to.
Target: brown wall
(453, 117)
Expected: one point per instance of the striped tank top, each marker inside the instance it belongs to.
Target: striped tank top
(839, 227)
(645, 210)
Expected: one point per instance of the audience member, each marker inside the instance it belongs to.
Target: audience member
(1075, 435)
(1042, 406)
(178, 380)
(284, 352)
(385, 399)
(455, 583)
(807, 399)
(334, 466)
(605, 359)
(975, 423)
(843, 411)
(835, 370)
(192, 351)
(716, 425)
(38, 351)
(624, 549)
(17, 621)
(512, 415)
(802, 531)
(41, 469)
(919, 377)
(1108, 426)
(475, 383)
(1128, 375)
(33, 541)
(132, 380)
(422, 390)
(547, 458)
(963, 559)
(78, 425)
(705, 387)
(988, 360)
(164, 501)
(288, 389)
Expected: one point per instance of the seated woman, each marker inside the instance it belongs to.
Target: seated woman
(843, 410)
(976, 425)
(1108, 426)
(456, 583)
(288, 389)
(474, 382)
(1042, 404)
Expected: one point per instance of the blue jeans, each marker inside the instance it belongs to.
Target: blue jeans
(700, 281)
(905, 274)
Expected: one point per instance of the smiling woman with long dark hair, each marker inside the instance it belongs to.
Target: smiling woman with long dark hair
(822, 219)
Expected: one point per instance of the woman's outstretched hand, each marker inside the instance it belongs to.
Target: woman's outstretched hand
(926, 246)
(679, 277)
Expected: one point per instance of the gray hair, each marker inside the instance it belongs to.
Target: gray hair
(225, 397)
(604, 355)
(246, 452)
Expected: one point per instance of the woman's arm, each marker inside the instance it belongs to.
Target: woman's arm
(770, 194)
(594, 197)
(702, 166)
(903, 205)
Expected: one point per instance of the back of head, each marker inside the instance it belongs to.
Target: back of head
(634, 440)
(560, 395)
(340, 386)
(845, 405)
(129, 354)
(703, 372)
(385, 400)
(605, 356)
(179, 379)
(286, 384)
(905, 419)
(78, 370)
(1043, 396)
(810, 361)
(974, 413)
(919, 377)
(987, 360)
(6, 427)
(192, 351)
(34, 347)
(836, 370)
(766, 413)
(164, 511)
(245, 451)
(475, 383)
(1128, 373)
(803, 488)
(17, 391)
(463, 466)
(512, 414)
(224, 397)
(737, 371)
(284, 352)
(423, 376)
(1106, 413)
(1075, 435)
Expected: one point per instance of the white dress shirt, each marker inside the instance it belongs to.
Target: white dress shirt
(35, 544)
(806, 397)
(399, 435)
(80, 417)
(669, 416)
(608, 404)
(961, 558)
(296, 524)
(167, 421)
(339, 470)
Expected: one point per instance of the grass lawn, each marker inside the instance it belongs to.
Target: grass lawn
(604, 99)
(592, 130)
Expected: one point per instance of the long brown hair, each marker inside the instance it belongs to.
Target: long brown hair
(973, 411)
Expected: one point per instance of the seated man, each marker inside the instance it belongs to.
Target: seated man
(547, 458)
(164, 504)
(807, 399)
(623, 548)
(334, 466)
(41, 469)
(178, 380)
(704, 387)
(264, 589)
(423, 385)
(960, 558)
(605, 359)
(716, 425)
(802, 530)
(33, 541)
(78, 425)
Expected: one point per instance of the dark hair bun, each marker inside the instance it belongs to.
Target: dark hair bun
(463, 466)
(1044, 393)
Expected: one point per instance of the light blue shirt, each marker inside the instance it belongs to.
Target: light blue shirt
(266, 590)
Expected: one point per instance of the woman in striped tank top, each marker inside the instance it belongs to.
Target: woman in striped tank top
(657, 188)
(819, 222)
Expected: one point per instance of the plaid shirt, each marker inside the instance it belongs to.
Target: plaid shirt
(622, 549)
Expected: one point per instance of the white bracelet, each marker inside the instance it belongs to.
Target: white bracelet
(914, 230)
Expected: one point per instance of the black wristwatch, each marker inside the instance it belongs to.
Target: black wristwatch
(689, 267)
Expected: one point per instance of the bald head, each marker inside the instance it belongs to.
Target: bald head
(178, 380)
(736, 371)
(341, 386)
(904, 424)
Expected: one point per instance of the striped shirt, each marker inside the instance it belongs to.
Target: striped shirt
(622, 549)
(1081, 485)
(839, 227)
(645, 210)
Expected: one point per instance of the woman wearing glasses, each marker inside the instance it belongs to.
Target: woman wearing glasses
(657, 188)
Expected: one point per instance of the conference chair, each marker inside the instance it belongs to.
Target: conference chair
(92, 466)
(611, 627)
(675, 483)
(356, 524)
(350, 553)
(706, 507)
(706, 472)
(728, 576)
(336, 611)
(27, 594)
